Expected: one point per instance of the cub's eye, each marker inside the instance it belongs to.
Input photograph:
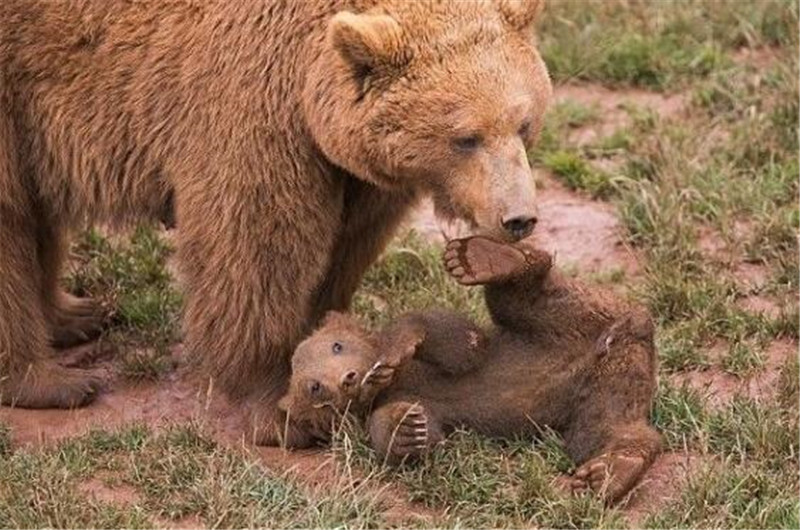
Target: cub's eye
(337, 347)
(524, 129)
(468, 143)
(315, 387)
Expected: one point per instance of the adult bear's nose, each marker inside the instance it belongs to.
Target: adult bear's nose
(519, 226)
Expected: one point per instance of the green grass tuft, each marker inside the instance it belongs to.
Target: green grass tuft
(130, 276)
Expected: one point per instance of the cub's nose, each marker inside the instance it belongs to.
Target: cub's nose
(350, 379)
(519, 226)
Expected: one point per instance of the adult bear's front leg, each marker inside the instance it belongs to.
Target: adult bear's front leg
(252, 251)
(370, 218)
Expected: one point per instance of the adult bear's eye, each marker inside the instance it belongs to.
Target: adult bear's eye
(524, 129)
(337, 347)
(315, 387)
(467, 143)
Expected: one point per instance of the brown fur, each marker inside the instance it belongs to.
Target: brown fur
(561, 355)
(289, 138)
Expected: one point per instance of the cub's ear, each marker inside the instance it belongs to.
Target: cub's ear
(343, 321)
(332, 318)
(521, 14)
(369, 41)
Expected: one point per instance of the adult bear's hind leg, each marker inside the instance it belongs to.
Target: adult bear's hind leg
(28, 376)
(72, 320)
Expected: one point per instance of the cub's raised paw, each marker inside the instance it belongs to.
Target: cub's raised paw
(478, 260)
(410, 437)
(379, 376)
(610, 475)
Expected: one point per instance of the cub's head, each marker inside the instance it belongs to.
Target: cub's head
(443, 97)
(327, 369)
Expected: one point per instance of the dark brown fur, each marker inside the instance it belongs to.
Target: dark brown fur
(561, 355)
(289, 138)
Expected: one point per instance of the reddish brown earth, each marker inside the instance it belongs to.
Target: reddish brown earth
(719, 387)
(179, 398)
(612, 106)
(661, 484)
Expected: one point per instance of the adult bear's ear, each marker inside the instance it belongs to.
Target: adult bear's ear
(521, 14)
(369, 41)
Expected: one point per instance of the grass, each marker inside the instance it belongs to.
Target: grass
(130, 276)
(657, 45)
(477, 482)
(577, 174)
(706, 196)
(174, 476)
(409, 276)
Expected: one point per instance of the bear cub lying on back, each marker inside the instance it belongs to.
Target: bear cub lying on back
(561, 355)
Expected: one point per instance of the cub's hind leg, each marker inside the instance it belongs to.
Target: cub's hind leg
(620, 464)
(402, 431)
(610, 437)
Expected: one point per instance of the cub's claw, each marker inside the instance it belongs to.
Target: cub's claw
(411, 434)
(380, 374)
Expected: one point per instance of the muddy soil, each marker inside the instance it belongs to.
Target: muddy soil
(612, 105)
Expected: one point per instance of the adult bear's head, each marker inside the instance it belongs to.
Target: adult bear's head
(444, 97)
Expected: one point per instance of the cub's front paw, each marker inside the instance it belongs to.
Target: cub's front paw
(379, 376)
(410, 437)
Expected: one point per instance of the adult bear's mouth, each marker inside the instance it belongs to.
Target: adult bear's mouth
(455, 222)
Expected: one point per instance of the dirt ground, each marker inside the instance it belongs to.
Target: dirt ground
(583, 233)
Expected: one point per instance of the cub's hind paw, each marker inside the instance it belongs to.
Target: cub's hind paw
(610, 475)
(479, 260)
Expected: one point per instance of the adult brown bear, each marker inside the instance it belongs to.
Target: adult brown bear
(290, 136)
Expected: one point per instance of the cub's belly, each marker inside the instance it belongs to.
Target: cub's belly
(510, 395)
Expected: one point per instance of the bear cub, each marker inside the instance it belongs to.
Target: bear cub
(562, 355)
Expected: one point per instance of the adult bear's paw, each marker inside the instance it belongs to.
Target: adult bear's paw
(46, 384)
